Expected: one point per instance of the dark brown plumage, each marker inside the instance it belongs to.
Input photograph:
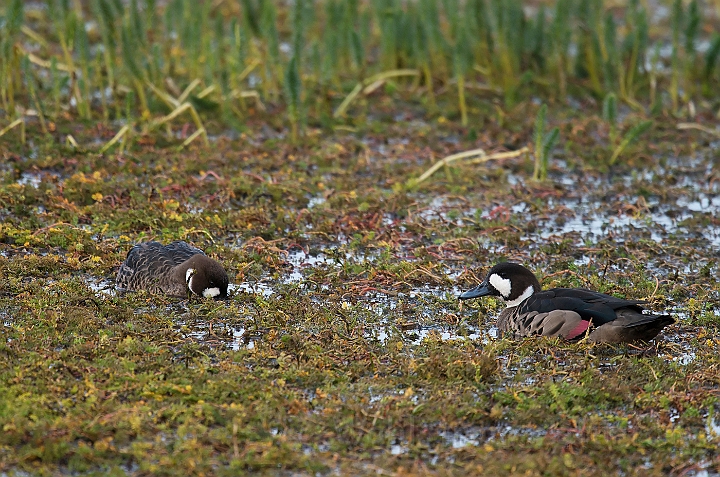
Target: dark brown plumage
(172, 269)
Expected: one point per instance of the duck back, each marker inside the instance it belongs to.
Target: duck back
(150, 266)
(573, 313)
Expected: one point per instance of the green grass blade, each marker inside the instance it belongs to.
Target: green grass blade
(711, 57)
(549, 142)
(631, 136)
(609, 113)
(293, 91)
(539, 136)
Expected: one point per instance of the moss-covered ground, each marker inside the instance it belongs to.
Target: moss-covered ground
(343, 349)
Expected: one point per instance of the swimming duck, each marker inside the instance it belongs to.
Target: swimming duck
(176, 269)
(571, 313)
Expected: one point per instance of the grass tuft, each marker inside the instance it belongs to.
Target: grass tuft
(544, 144)
(630, 137)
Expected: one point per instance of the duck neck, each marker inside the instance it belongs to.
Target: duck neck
(524, 296)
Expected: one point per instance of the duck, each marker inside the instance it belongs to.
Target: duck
(177, 269)
(569, 313)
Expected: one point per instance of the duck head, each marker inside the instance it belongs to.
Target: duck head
(510, 281)
(206, 277)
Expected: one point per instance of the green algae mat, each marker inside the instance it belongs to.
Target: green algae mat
(355, 166)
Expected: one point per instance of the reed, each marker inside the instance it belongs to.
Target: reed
(544, 144)
(10, 84)
(711, 60)
(293, 92)
(609, 114)
(323, 49)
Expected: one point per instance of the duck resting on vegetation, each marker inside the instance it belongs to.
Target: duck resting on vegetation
(571, 313)
(176, 269)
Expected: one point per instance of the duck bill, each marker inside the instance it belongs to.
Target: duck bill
(477, 292)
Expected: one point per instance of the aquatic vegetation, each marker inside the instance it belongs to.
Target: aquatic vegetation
(343, 343)
(544, 144)
(330, 172)
(145, 65)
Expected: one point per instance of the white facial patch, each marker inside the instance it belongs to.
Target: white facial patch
(189, 276)
(501, 284)
(211, 292)
(525, 295)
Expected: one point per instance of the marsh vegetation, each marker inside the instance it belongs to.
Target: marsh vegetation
(295, 142)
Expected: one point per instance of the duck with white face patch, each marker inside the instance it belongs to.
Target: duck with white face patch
(176, 269)
(570, 313)
(210, 292)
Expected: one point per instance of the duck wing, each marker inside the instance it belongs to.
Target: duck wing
(177, 252)
(563, 323)
(597, 308)
(630, 326)
(150, 263)
(571, 313)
